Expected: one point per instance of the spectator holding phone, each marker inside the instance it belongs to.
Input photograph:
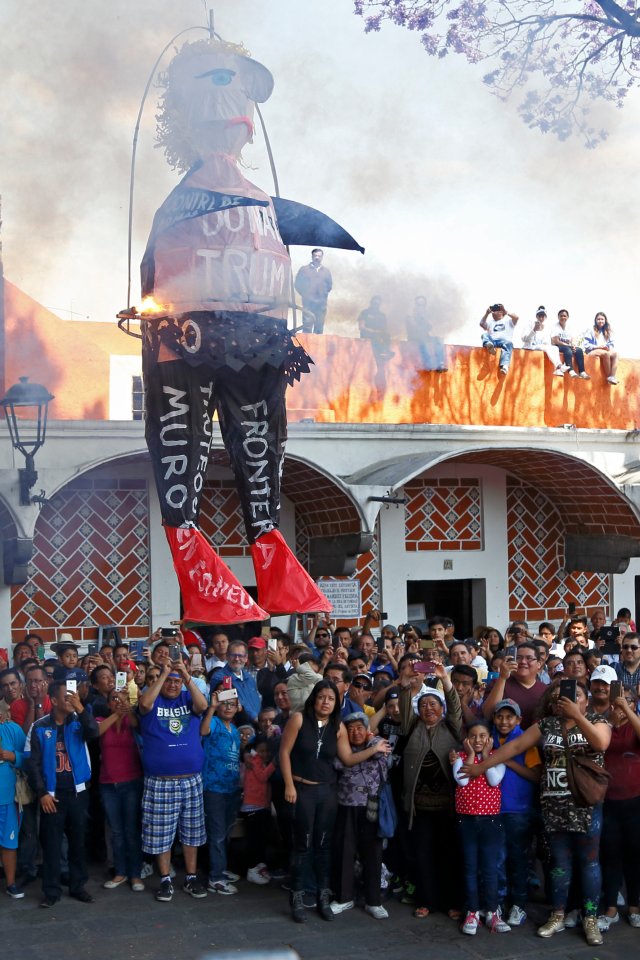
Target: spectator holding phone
(121, 785)
(59, 771)
(241, 679)
(172, 756)
(517, 680)
(573, 831)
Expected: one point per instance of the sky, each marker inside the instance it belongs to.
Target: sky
(448, 191)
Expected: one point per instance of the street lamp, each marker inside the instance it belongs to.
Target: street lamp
(28, 431)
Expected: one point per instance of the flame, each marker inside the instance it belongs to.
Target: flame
(149, 305)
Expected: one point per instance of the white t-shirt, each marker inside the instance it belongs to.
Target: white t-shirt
(565, 336)
(500, 329)
(535, 339)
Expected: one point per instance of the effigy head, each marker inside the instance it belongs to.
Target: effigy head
(211, 87)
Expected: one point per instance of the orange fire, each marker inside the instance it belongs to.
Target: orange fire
(149, 305)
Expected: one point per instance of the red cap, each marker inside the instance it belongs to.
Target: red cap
(257, 643)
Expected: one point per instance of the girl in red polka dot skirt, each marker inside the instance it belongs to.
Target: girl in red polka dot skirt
(480, 830)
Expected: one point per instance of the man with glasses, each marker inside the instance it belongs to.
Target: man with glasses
(241, 680)
(628, 668)
(34, 703)
(360, 691)
(172, 756)
(518, 680)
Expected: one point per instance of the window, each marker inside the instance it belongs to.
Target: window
(137, 399)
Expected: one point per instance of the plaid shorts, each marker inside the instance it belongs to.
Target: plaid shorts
(169, 805)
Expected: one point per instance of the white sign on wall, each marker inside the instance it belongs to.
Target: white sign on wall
(345, 597)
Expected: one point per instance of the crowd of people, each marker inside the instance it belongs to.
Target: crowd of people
(565, 345)
(456, 776)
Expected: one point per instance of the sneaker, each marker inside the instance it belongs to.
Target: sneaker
(324, 904)
(49, 902)
(555, 924)
(397, 885)
(14, 891)
(165, 893)
(572, 919)
(231, 876)
(378, 913)
(496, 924)
(584, 375)
(591, 931)
(223, 887)
(147, 871)
(195, 888)
(604, 922)
(470, 924)
(279, 873)
(572, 373)
(309, 900)
(409, 894)
(634, 920)
(517, 916)
(491, 350)
(612, 380)
(297, 907)
(558, 372)
(503, 371)
(337, 908)
(137, 886)
(258, 874)
(564, 367)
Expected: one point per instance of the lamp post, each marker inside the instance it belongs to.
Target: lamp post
(28, 430)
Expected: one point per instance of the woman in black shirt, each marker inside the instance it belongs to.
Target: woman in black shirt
(310, 743)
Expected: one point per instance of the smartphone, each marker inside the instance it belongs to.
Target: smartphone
(426, 644)
(72, 686)
(273, 644)
(380, 644)
(227, 684)
(425, 666)
(121, 680)
(571, 608)
(174, 652)
(615, 690)
(224, 695)
(569, 689)
(384, 615)
(493, 675)
(168, 632)
(196, 661)
(92, 649)
(136, 649)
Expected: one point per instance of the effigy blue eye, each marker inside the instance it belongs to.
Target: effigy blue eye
(219, 77)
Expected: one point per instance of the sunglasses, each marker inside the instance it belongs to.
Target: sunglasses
(361, 686)
(629, 646)
(318, 634)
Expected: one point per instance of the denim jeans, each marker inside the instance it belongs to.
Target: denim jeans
(504, 346)
(123, 808)
(481, 838)
(220, 812)
(579, 850)
(518, 834)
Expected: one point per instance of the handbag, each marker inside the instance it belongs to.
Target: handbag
(587, 780)
(387, 814)
(24, 794)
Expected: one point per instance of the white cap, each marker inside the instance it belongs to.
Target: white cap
(605, 673)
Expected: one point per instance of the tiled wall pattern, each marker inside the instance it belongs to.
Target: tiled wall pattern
(443, 514)
(91, 563)
(367, 572)
(538, 586)
(221, 519)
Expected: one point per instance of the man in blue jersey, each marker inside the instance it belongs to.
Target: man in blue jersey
(173, 759)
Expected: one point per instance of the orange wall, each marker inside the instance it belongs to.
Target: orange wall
(71, 358)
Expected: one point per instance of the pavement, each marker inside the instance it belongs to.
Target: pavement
(122, 925)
